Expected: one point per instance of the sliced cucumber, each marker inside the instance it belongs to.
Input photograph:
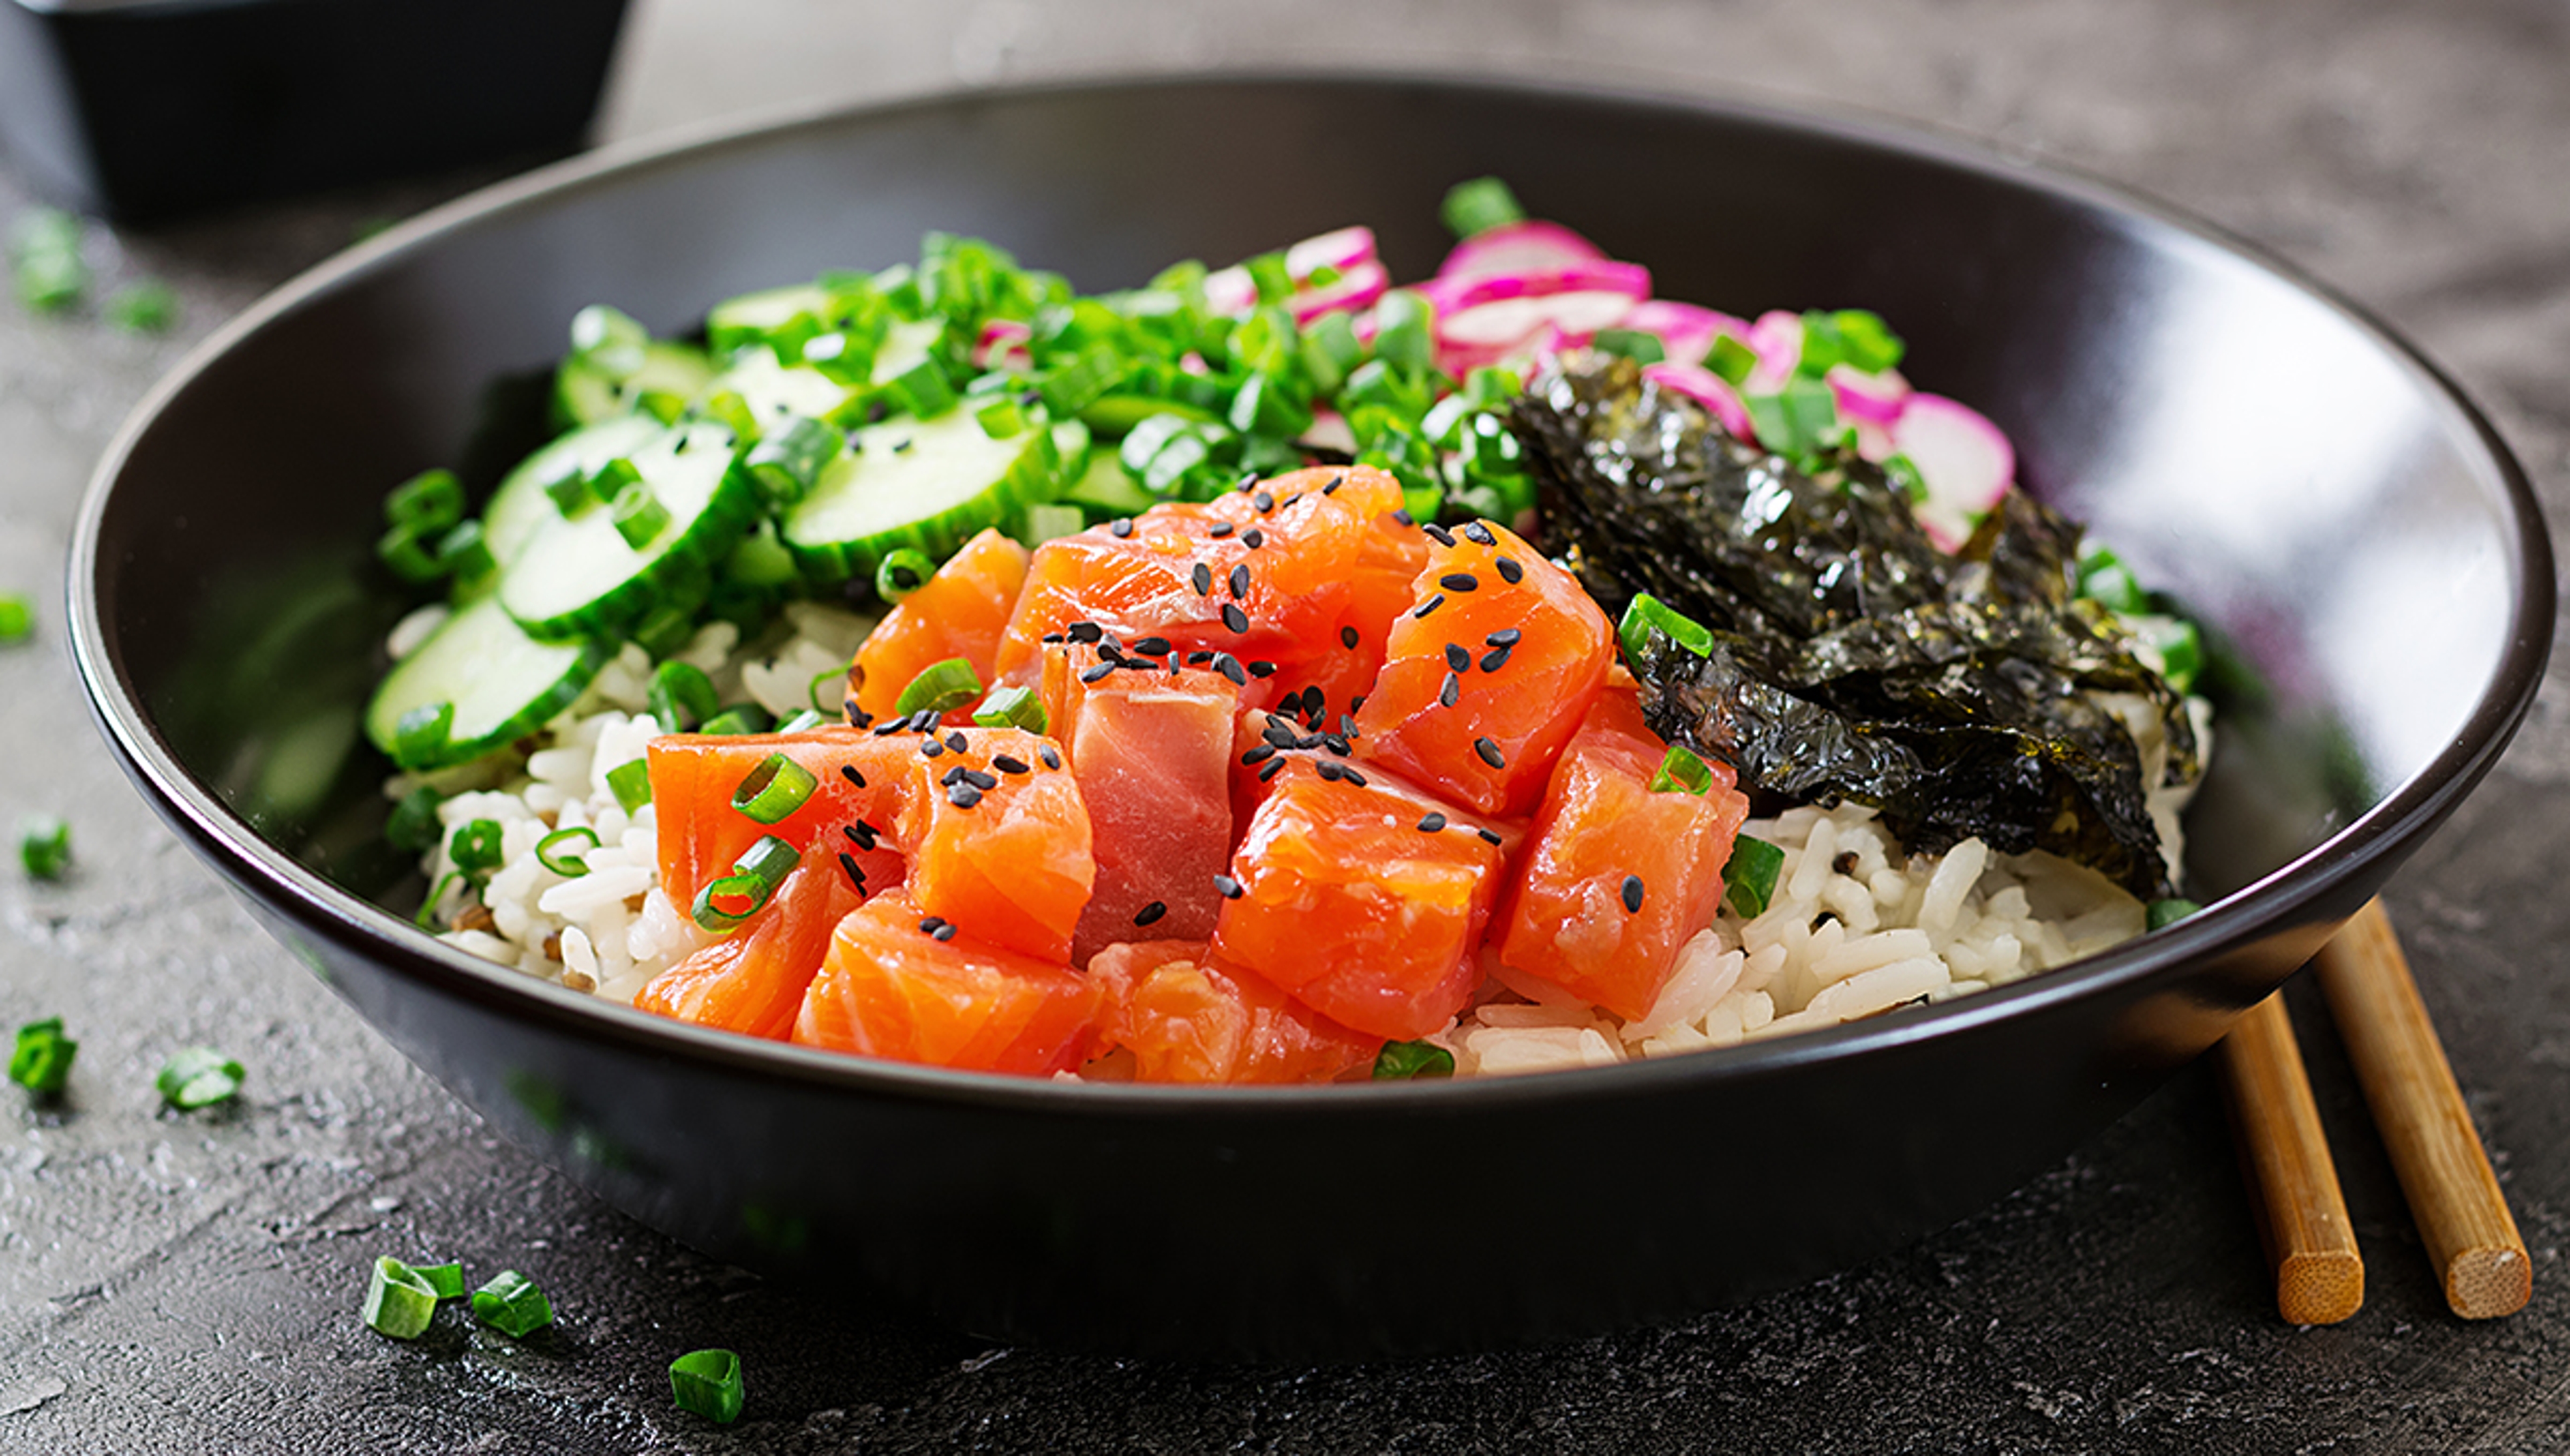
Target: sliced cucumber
(776, 393)
(586, 395)
(924, 484)
(521, 505)
(1103, 489)
(752, 316)
(906, 346)
(577, 577)
(502, 683)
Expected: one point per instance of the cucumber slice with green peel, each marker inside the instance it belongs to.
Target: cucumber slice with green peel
(586, 395)
(1103, 489)
(577, 577)
(521, 505)
(906, 346)
(929, 485)
(776, 393)
(501, 683)
(752, 316)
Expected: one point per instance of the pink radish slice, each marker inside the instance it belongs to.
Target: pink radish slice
(1231, 290)
(1003, 341)
(1498, 309)
(1706, 388)
(1341, 250)
(1458, 360)
(1358, 286)
(1964, 460)
(1685, 330)
(1516, 247)
(1330, 432)
(1864, 399)
(1451, 295)
(1777, 339)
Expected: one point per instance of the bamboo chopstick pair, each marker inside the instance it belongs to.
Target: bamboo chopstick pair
(2445, 1176)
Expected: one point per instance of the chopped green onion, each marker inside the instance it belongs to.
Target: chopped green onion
(1850, 336)
(1403, 1061)
(680, 696)
(420, 734)
(610, 481)
(707, 1383)
(400, 549)
(769, 861)
(400, 1301)
(428, 501)
(1049, 520)
(774, 789)
(2104, 578)
(1012, 707)
(922, 389)
(1903, 474)
(143, 307)
(1478, 205)
(413, 827)
(42, 1060)
(787, 463)
(447, 1279)
(803, 721)
(512, 1304)
(197, 1077)
(475, 846)
(1402, 336)
(568, 492)
(428, 908)
(1633, 344)
(2180, 645)
(752, 882)
(2165, 912)
(639, 516)
(1749, 878)
(837, 677)
(630, 783)
(940, 687)
(667, 628)
(47, 250)
(17, 617)
(661, 405)
(1731, 359)
(45, 845)
(901, 573)
(1646, 614)
(1002, 420)
(464, 555)
(735, 720)
(1268, 274)
(608, 340)
(550, 853)
(1071, 387)
(1801, 418)
(726, 407)
(1681, 772)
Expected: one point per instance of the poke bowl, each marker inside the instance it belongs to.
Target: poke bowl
(2363, 555)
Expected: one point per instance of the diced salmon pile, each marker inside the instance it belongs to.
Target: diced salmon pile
(1305, 770)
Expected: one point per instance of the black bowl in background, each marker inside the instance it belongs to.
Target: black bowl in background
(2365, 547)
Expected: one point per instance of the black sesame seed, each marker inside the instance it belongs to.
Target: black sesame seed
(1347, 725)
(1432, 822)
(1152, 646)
(1478, 534)
(1458, 581)
(962, 796)
(1219, 530)
(1510, 570)
(1257, 755)
(1457, 658)
(1489, 836)
(1262, 669)
(956, 742)
(857, 717)
(1278, 732)
(928, 924)
(954, 776)
(1353, 776)
(1234, 618)
(1239, 582)
(849, 773)
(1335, 743)
(891, 726)
(1248, 483)
(1009, 764)
(1226, 887)
(1404, 516)
(1495, 659)
(1263, 500)
(944, 932)
(1490, 753)
(1121, 527)
(1289, 501)
(1053, 639)
(1439, 535)
(1348, 638)
(856, 876)
(1332, 487)
(1202, 575)
(1229, 667)
(1149, 912)
(1425, 607)
(1503, 638)
(1633, 893)
(1329, 770)
(902, 447)
(1199, 657)
(1451, 693)
(923, 720)
(980, 780)
(931, 747)
(1253, 538)
(1052, 760)
(1269, 772)
(1084, 631)
(1096, 674)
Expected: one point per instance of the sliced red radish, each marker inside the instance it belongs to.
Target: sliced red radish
(1497, 309)
(1460, 360)
(1231, 290)
(1003, 345)
(1329, 432)
(1685, 330)
(1341, 250)
(1864, 399)
(1516, 248)
(1706, 388)
(1967, 463)
(1356, 286)
(1777, 339)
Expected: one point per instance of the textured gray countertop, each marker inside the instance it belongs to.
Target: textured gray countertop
(189, 1283)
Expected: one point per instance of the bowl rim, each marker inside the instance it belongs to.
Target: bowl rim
(2283, 895)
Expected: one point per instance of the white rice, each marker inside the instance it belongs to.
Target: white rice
(1856, 926)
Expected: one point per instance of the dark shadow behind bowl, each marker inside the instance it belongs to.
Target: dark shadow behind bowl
(2368, 554)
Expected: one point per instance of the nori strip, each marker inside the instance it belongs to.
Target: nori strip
(1852, 658)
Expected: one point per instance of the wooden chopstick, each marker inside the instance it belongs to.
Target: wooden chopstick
(2454, 1195)
(2302, 1219)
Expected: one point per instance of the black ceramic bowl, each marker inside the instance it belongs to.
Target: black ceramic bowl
(2349, 527)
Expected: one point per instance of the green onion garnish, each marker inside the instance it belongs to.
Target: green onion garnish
(922, 389)
(196, 1077)
(1903, 474)
(2180, 645)
(789, 461)
(612, 480)
(941, 687)
(475, 846)
(1633, 344)
(803, 721)
(735, 720)
(1731, 359)
(512, 1304)
(726, 407)
(551, 851)
(447, 1279)
(413, 827)
(1402, 336)
(17, 617)
(751, 884)
(774, 789)
(661, 405)
(1801, 418)
(401, 550)
(1268, 274)
(1681, 772)
(639, 516)
(680, 696)
(901, 573)
(420, 735)
(1646, 614)
(1479, 206)
(1749, 878)
(1402, 1061)
(428, 908)
(42, 1060)
(1012, 707)
(707, 1383)
(427, 503)
(2165, 912)
(45, 248)
(1000, 420)
(630, 783)
(45, 845)
(400, 1301)
(143, 307)
(837, 678)
(463, 554)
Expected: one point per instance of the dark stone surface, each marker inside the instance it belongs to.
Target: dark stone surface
(189, 1283)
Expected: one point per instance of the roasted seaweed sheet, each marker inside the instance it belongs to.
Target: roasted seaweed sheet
(1852, 660)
